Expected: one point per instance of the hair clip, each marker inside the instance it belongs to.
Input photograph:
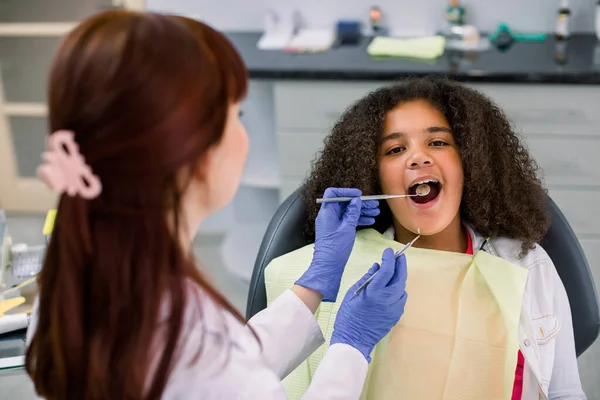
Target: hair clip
(64, 168)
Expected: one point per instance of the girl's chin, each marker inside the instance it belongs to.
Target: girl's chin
(427, 226)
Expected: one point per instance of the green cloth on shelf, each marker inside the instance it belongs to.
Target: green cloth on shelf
(422, 47)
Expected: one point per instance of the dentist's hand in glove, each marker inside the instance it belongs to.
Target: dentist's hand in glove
(335, 228)
(364, 319)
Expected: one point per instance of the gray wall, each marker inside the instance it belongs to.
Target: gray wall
(416, 15)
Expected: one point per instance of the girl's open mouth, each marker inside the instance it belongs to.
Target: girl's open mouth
(432, 185)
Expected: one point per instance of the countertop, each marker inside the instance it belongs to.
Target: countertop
(523, 62)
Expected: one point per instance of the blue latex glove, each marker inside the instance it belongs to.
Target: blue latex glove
(364, 319)
(335, 231)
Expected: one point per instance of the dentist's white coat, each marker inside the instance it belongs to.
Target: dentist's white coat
(233, 365)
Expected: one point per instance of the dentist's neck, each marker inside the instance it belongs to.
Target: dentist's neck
(193, 212)
(453, 238)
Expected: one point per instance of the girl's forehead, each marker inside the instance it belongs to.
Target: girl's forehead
(413, 116)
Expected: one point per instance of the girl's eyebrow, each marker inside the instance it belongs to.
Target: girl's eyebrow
(436, 129)
(431, 129)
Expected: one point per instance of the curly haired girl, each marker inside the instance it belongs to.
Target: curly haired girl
(482, 183)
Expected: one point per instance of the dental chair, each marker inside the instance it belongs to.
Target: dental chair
(285, 234)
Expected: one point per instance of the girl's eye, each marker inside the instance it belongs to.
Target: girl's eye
(395, 150)
(436, 143)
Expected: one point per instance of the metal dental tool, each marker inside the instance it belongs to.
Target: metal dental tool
(373, 197)
(396, 254)
(422, 190)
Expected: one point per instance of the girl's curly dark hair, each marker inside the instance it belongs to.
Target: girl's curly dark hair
(502, 195)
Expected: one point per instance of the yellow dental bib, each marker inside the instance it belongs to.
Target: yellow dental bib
(457, 339)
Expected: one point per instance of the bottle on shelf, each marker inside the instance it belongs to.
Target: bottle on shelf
(562, 21)
(455, 13)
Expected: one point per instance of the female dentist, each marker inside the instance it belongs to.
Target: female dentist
(146, 143)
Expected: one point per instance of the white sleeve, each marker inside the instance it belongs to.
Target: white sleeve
(565, 383)
(288, 333)
(340, 376)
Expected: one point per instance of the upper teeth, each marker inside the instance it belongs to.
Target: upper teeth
(425, 181)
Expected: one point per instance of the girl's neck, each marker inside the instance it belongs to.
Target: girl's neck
(453, 238)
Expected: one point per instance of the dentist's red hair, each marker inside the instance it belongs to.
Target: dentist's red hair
(146, 95)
